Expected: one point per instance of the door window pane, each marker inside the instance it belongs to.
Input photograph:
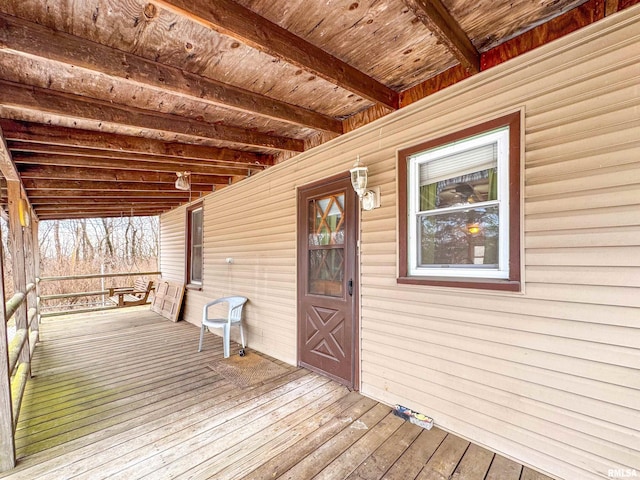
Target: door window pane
(326, 220)
(326, 272)
(326, 232)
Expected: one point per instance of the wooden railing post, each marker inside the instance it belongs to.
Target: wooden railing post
(31, 255)
(7, 442)
(18, 255)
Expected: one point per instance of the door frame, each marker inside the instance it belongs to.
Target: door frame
(301, 284)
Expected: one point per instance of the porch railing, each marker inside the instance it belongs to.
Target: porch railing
(19, 358)
(99, 301)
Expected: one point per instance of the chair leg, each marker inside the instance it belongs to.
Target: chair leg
(201, 337)
(241, 335)
(225, 341)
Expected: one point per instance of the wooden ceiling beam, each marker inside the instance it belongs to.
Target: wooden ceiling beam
(70, 203)
(108, 175)
(120, 145)
(29, 98)
(236, 21)
(21, 151)
(7, 168)
(9, 173)
(82, 213)
(29, 39)
(70, 216)
(135, 164)
(44, 210)
(438, 20)
(98, 187)
(81, 195)
(90, 212)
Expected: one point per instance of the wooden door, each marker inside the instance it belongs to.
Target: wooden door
(327, 279)
(167, 299)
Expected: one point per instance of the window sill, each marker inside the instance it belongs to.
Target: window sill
(193, 286)
(481, 283)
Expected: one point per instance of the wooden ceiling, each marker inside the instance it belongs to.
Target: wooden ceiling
(103, 101)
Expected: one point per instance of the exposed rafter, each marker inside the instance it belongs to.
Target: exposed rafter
(110, 175)
(98, 209)
(101, 107)
(19, 97)
(177, 196)
(123, 188)
(133, 163)
(20, 37)
(82, 213)
(72, 203)
(7, 168)
(236, 21)
(438, 19)
(48, 138)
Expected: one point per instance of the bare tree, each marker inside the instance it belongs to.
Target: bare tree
(108, 230)
(56, 236)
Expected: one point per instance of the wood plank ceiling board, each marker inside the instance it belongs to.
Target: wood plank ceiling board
(151, 31)
(26, 98)
(92, 84)
(115, 175)
(400, 50)
(232, 19)
(73, 156)
(44, 195)
(29, 46)
(101, 186)
(87, 141)
(35, 116)
(113, 160)
(437, 18)
(491, 22)
(103, 101)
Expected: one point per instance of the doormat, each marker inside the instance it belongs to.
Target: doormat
(248, 370)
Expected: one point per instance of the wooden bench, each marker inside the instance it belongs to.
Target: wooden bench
(131, 296)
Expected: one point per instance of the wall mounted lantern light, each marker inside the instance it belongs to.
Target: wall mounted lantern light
(359, 177)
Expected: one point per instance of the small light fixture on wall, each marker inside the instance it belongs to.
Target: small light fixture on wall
(359, 177)
(182, 183)
(23, 213)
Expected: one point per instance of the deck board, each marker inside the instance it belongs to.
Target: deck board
(445, 459)
(124, 394)
(378, 462)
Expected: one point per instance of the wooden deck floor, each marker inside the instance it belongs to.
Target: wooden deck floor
(125, 395)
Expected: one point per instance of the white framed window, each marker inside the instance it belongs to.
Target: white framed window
(195, 240)
(460, 218)
(458, 208)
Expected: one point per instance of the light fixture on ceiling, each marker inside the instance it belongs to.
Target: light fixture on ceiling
(183, 183)
(359, 177)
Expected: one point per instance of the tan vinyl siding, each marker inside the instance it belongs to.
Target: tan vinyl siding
(549, 376)
(172, 245)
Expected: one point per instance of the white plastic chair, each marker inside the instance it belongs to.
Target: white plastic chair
(234, 317)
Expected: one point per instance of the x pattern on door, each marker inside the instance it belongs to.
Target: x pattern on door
(325, 333)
